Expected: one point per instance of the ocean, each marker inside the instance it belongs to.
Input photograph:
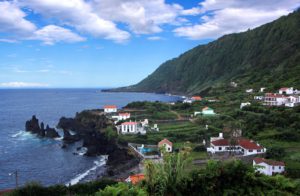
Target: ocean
(43, 160)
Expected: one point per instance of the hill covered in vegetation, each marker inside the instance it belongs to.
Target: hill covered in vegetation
(267, 56)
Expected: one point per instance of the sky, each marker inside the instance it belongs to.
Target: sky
(113, 43)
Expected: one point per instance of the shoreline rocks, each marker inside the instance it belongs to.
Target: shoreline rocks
(34, 127)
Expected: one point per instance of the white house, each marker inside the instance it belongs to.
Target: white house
(268, 167)
(287, 91)
(121, 116)
(187, 100)
(129, 127)
(293, 101)
(110, 108)
(243, 146)
(273, 99)
(208, 111)
(244, 104)
(166, 144)
(249, 90)
(233, 84)
(262, 89)
(258, 97)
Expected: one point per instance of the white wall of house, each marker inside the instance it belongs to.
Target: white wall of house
(208, 112)
(269, 169)
(252, 151)
(167, 147)
(287, 91)
(244, 104)
(110, 110)
(128, 128)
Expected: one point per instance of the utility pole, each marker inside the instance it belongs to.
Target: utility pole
(16, 178)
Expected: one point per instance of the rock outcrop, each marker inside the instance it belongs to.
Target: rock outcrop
(34, 127)
(90, 127)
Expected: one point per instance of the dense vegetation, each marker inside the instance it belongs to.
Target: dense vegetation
(171, 178)
(266, 56)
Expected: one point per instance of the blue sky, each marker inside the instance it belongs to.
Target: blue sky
(110, 43)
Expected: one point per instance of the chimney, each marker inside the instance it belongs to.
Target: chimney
(220, 135)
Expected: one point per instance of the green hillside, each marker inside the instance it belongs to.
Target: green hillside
(266, 56)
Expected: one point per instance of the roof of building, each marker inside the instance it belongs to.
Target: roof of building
(124, 114)
(284, 88)
(165, 141)
(259, 160)
(249, 144)
(110, 106)
(206, 108)
(274, 95)
(134, 179)
(221, 142)
(196, 97)
(129, 123)
(244, 143)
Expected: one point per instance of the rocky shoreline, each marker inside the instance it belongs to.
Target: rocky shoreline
(91, 127)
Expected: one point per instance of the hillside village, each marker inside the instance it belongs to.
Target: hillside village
(152, 129)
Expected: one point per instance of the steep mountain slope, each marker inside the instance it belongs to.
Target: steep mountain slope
(266, 56)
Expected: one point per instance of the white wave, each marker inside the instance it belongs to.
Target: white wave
(59, 138)
(18, 134)
(79, 177)
(82, 151)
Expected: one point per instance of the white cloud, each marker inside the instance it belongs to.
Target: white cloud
(142, 16)
(154, 38)
(22, 84)
(235, 16)
(12, 19)
(51, 34)
(8, 40)
(78, 14)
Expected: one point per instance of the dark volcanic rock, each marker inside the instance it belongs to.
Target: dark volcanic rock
(51, 132)
(90, 126)
(34, 127)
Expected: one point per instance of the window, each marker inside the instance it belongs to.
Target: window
(258, 150)
(279, 167)
(273, 167)
(220, 148)
(250, 150)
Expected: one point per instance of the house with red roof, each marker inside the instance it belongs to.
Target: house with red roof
(166, 144)
(135, 179)
(129, 127)
(110, 108)
(273, 99)
(121, 116)
(239, 145)
(268, 167)
(196, 98)
(286, 91)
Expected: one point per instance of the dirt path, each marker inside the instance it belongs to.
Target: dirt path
(179, 117)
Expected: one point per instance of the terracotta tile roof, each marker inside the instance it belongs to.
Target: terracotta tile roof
(134, 179)
(197, 98)
(284, 88)
(206, 108)
(124, 114)
(274, 95)
(110, 106)
(244, 143)
(221, 142)
(248, 144)
(129, 123)
(165, 141)
(259, 160)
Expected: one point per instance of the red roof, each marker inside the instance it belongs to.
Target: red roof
(284, 88)
(110, 106)
(134, 179)
(220, 142)
(129, 123)
(165, 141)
(124, 114)
(258, 160)
(274, 95)
(197, 98)
(248, 144)
(244, 143)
